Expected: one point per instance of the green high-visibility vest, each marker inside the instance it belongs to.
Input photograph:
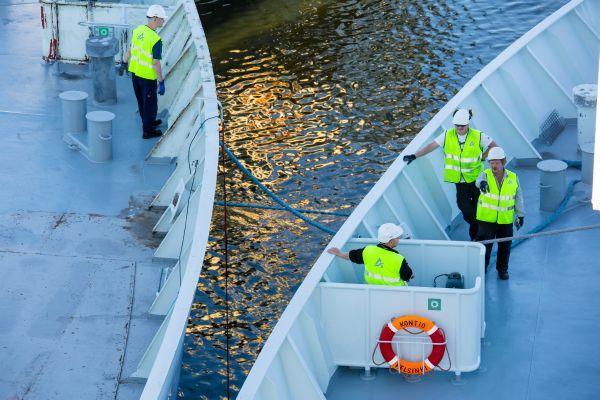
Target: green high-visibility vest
(498, 205)
(382, 267)
(142, 41)
(465, 161)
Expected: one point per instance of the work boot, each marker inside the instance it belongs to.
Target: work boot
(503, 276)
(158, 122)
(152, 134)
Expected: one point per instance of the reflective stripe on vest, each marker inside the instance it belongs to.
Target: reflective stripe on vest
(465, 161)
(382, 267)
(498, 205)
(141, 61)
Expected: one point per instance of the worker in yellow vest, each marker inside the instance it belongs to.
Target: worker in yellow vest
(144, 57)
(464, 149)
(500, 204)
(383, 264)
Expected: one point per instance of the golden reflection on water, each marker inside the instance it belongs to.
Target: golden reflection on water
(319, 99)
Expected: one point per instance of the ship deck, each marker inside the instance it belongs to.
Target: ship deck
(75, 237)
(540, 324)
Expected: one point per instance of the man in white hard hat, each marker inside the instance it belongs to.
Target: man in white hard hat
(144, 57)
(464, 149)
(383, 264)
(499, 206)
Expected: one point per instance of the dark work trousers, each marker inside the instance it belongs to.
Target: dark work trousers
(488, 230)
(467, 195)
(145, 93)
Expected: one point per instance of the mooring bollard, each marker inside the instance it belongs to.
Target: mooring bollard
(74, 108)
(99, 124)
(102, 63)
(553, 183)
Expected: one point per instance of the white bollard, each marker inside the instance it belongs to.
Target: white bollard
(584, 97)
(99, 125)
(74, 107)
(553, 183)
(587, 162)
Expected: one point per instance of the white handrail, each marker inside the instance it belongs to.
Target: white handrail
(159, 384)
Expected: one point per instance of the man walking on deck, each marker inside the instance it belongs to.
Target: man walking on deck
(383, 264)
(501, 199)
(144, 57)
(464, 149)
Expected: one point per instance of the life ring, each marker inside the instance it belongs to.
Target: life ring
(438, 340)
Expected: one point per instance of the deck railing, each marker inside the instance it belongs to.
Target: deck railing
(192, 114)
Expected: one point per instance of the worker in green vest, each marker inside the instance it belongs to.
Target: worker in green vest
(464, 149)
(499, 206)
(144, 57)
(383, 264)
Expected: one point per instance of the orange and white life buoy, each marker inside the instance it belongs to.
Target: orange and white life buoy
(436, 335)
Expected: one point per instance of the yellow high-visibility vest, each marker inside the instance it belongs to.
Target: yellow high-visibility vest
(382, 267)
(142, 41)
(498, 205)
(465, 161)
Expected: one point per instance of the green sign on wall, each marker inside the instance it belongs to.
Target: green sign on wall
(434, 304)
(103, 31)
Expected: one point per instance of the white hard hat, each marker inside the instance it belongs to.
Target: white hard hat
(461, 117)
(388, 232)
(496, 153)
(156, 11)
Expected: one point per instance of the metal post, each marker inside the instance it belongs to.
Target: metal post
(74, 107)
(587, 162)
(457, 379)
(584, 97)
(553, 183)
(100, 135)
(102, 53)
(367, 375)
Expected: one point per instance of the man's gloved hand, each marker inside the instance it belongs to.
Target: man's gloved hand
(409, 158)
(161, 87)
(519, 222)
(122, 68)
(484, 187)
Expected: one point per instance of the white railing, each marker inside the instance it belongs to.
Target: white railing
(596, 169)
(352, 313)
(511, 96)
(65, 26)
(192, 139)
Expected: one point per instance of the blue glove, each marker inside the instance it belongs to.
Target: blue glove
(161, 87)
(122, 68)
(484, 187)
(519, 222)
(409, 158)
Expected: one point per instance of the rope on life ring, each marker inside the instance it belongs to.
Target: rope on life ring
(438, 340)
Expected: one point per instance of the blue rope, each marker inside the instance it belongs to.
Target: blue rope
(545, 223)
(561, 206)
(263, 207)
(554, 216)
(573, 163)
(273, 196)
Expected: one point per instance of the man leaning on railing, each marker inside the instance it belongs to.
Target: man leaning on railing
(383, 264)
